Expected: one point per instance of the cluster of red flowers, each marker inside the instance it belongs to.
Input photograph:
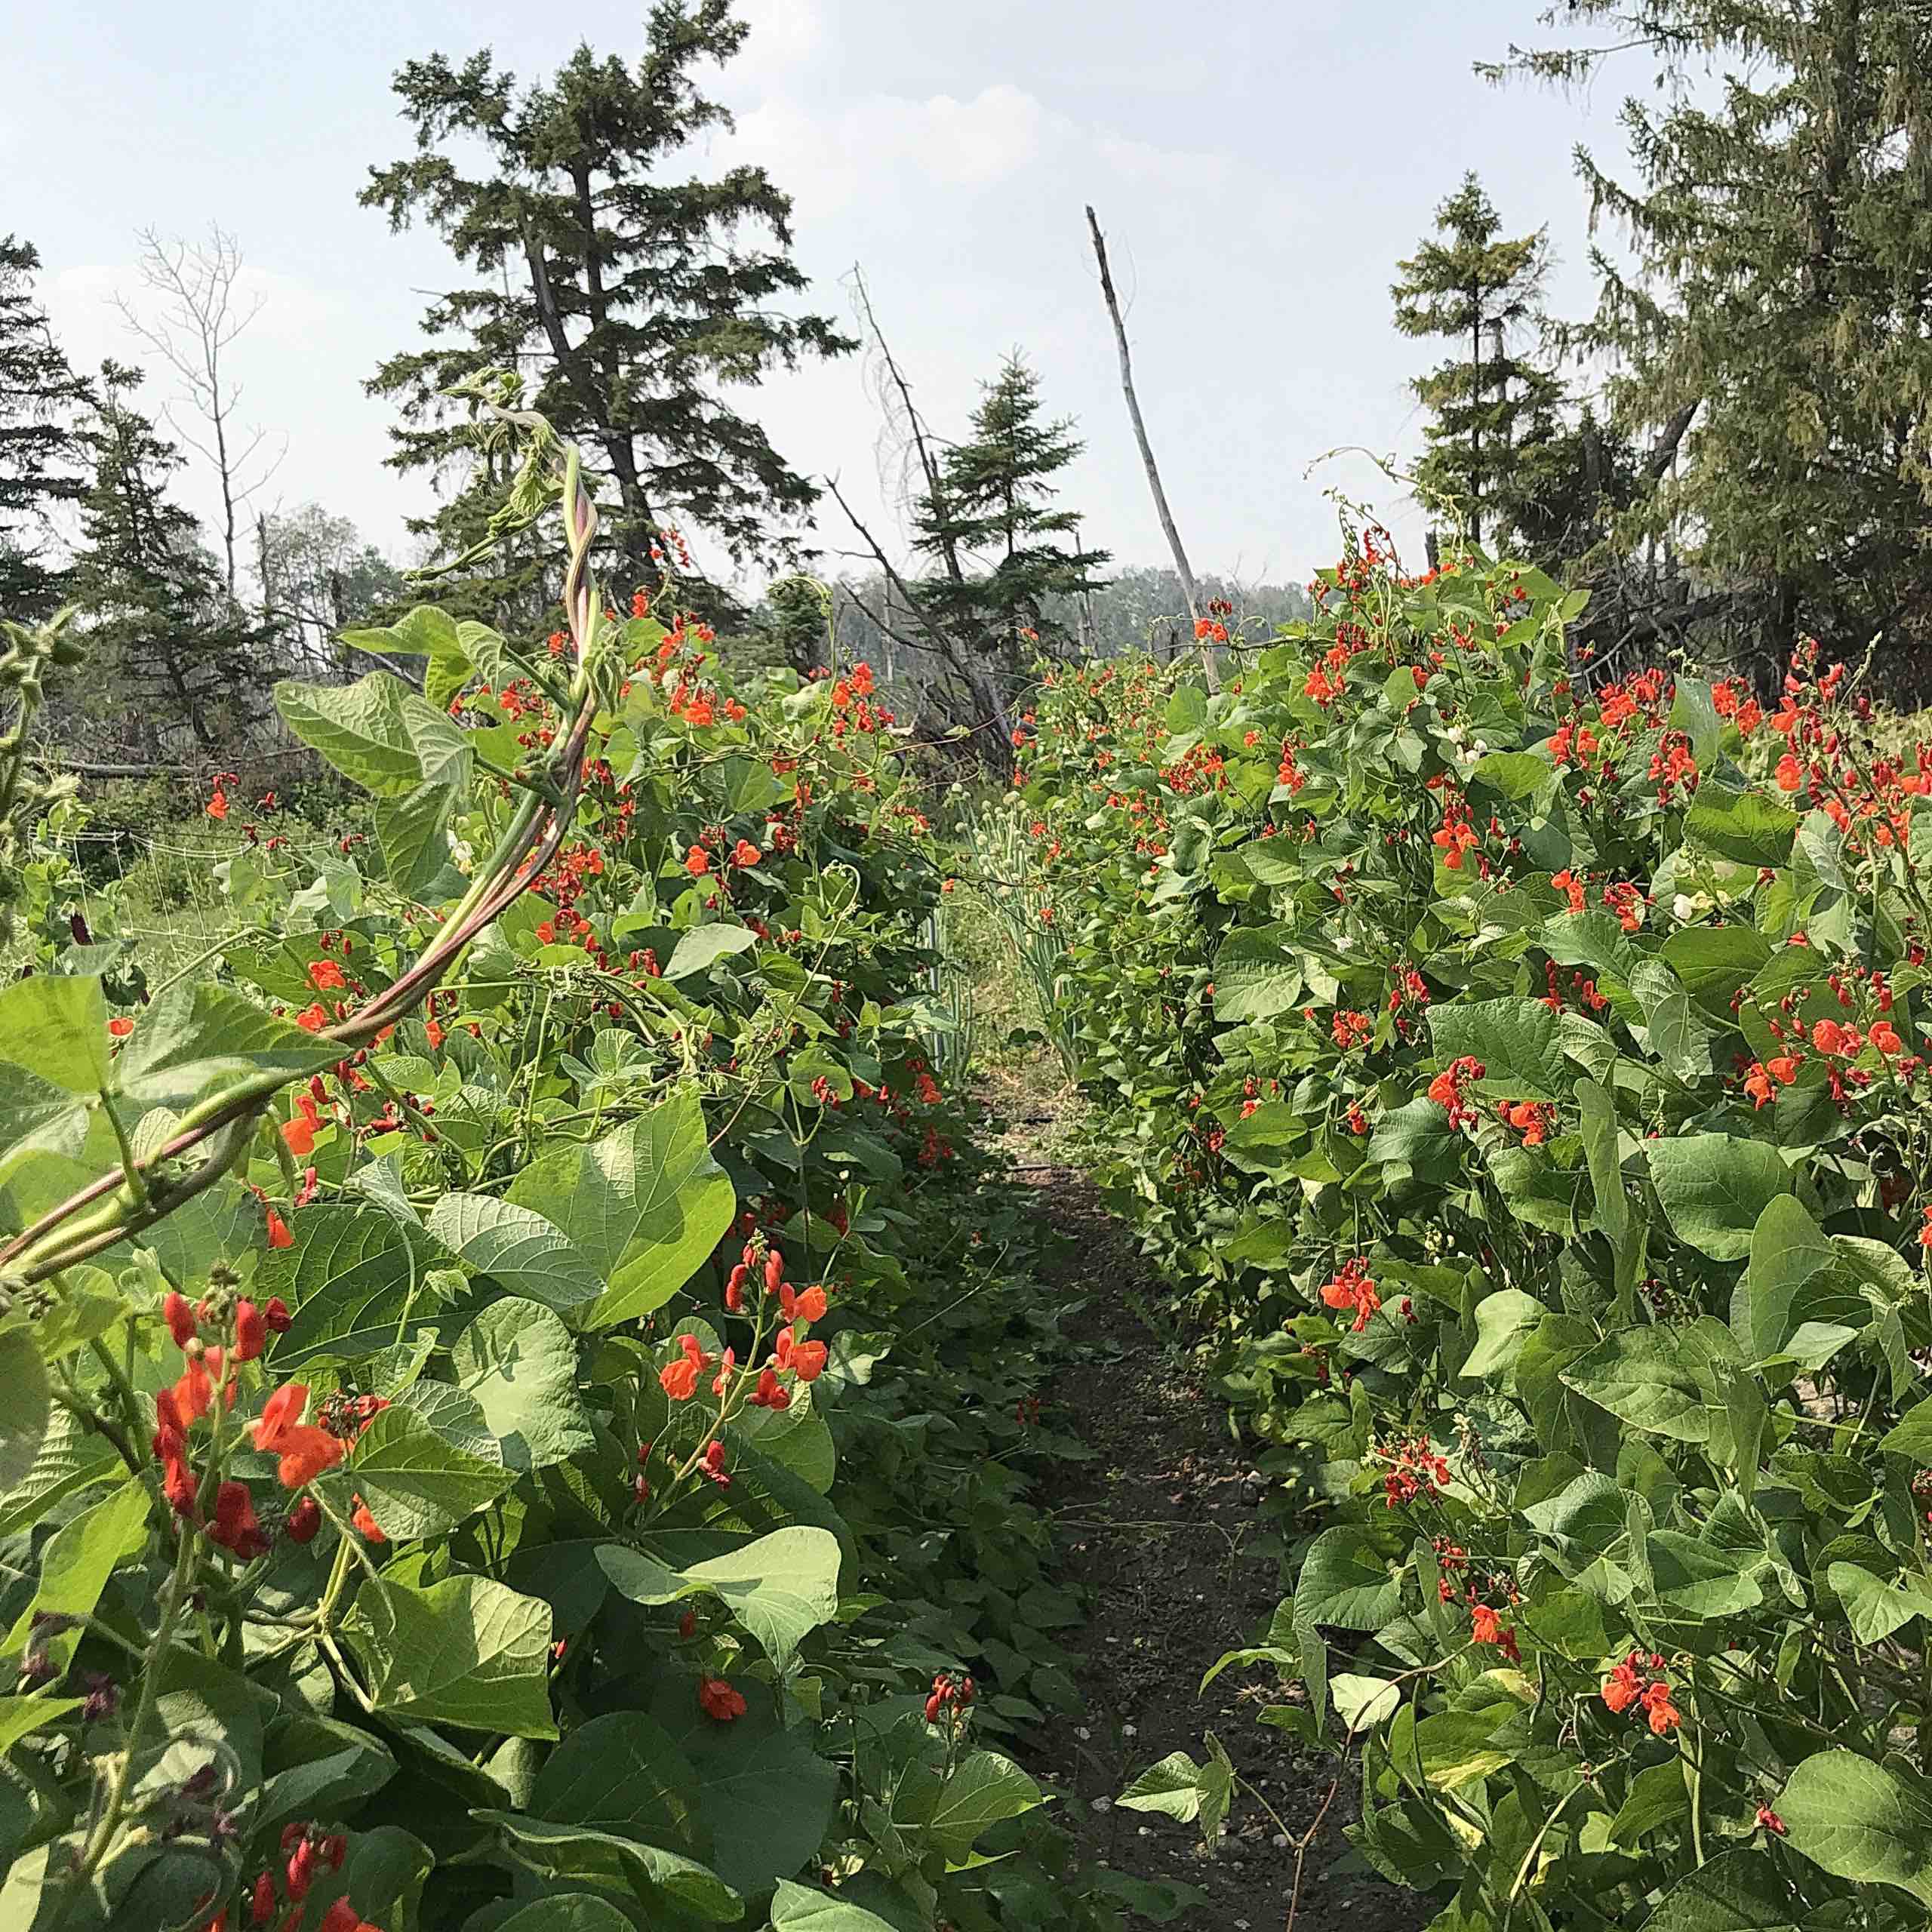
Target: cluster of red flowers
(576, 868)
(720, 1699)
(1446, 1089)
(1410, 991)
(1456, 834)
(218, 798)
(697, 704)
(679, 1379)
(1573, 744)
(1458, 1583)
(1873, 796)
(1287, 774)
(1767, 1076)
(1415, 1469)
(1732, 698)
(1582, 989)
(1829, 1036)
(569, 928)
(850, 694)
(1356, 568)
(225, 1509)
(300, 1133)
(1534, 1120)
(1626, 1687)
(1858, 990)
(1352, 1289)
(1640, 702)
(798, 1308)
(1627, 903)
(1201, 768)
(307, 1853)
(951, 1697)
(1351, 1029)
(1673, 768)
(1486, 1626)
(1326, 682)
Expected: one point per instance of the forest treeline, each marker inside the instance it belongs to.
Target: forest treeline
(1731, 451)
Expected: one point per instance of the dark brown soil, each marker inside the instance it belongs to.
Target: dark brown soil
(1161, 1531)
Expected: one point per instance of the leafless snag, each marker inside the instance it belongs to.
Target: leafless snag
(202, 314)
(1181, 567)
(905, 425)
(957, 654)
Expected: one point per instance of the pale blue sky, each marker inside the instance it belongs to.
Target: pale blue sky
(1258, 167)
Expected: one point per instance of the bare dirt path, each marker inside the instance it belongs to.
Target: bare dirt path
(1162, 1535)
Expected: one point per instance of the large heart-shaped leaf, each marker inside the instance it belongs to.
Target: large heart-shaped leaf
(1345, 1581)
(465, 1651)
(377, 733)
(1517, 1042)
(517, 1361)
(357, 1282)
(1664, 1379)
(1861, 1821)
(1256, 976)
(781, 1587)
(516, 1247)
(417, 1483)
(1714, 1186)
(645, 1205)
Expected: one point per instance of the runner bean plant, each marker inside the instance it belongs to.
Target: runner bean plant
(509, 1389)
(1523, 1078)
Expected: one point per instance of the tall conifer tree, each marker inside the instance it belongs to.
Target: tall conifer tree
(174, 665)
(42, 402)
(1775, 331)
(632, 299)
(993, 511)
(1492, 408)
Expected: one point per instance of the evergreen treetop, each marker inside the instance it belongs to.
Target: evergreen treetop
(176, 664)
(632, 300)
(1491, 407)
(993, 511)
(1771, 331)
(41, 402)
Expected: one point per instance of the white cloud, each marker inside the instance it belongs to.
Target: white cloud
(886, 143)
(1141, 163)
(784, 34)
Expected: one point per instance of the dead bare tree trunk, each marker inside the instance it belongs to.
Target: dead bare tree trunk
(1181, 567)
(199, 285)
(969, 664)
(962, 654)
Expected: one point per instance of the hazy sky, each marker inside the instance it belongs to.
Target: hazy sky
(1259, 165)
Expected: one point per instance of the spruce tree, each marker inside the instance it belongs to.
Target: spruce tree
(633, 300)
(1771, 332)
(1492, 409)
(991, 510)
(174, 664)
(42, 403)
